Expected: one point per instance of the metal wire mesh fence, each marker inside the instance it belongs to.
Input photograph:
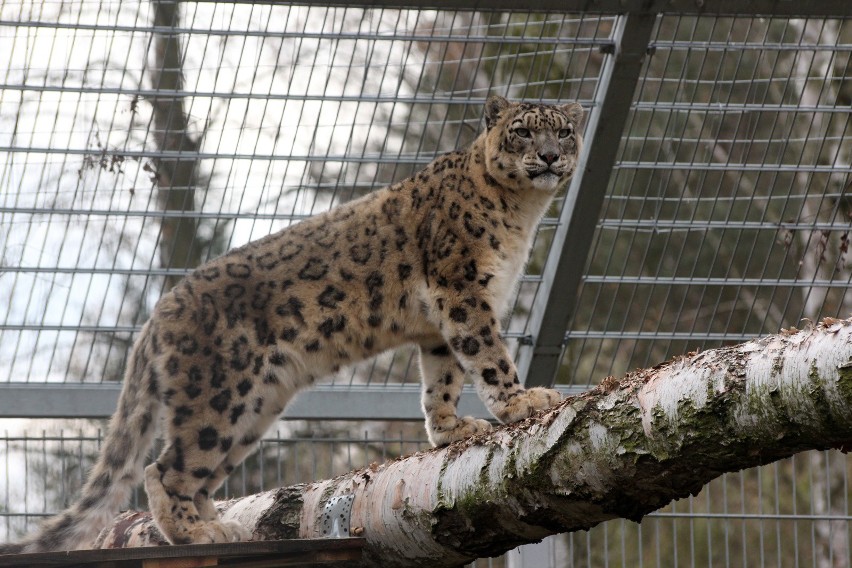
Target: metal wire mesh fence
(139, 139)
(727, 214)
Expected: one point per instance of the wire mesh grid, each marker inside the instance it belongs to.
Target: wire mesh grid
(274, 113)
(727, 215)
(42, 473)
(140, 139)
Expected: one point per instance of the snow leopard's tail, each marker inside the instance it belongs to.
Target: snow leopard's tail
(118, 468)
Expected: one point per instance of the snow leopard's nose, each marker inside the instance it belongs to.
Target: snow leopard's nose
(548, 157)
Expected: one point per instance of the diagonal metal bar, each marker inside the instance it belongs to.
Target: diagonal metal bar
(538, 359)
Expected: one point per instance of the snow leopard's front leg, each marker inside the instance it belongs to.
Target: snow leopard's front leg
(471, 330)
(443, 378)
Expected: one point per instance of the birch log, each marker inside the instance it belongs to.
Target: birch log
(624, 449)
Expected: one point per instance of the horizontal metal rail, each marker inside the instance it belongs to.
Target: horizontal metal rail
(67, 400)
(747, 45)
(726, 108)
(798, 517)
(173, 155)
(733, 108)
(526, 278)
(85, 328)
(719, 281)
(179, 272)
(734, 167)
(690, 336)
(155, 214)
(610, 224)
(172, 214)
(686, 7)
(407, 159)
(322, 437)
(500, 39)
(699, 225)
(776, 8)
(523, 337)
(81, 328)
(173, 94)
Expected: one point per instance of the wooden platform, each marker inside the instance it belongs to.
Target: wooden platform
(262, 554)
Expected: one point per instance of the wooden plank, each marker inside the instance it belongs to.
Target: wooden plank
(296, 552)
(193, 562)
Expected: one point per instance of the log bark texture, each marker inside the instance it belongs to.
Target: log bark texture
(624, 449)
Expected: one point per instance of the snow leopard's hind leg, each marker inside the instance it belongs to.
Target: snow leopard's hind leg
(198, 458)
(172, 483)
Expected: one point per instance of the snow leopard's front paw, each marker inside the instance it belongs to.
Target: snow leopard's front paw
(526, 402)
(452, 429)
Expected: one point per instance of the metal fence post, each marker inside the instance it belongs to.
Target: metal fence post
(538, 359)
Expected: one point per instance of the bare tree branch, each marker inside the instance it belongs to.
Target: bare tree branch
(624, 449)
(178, 177)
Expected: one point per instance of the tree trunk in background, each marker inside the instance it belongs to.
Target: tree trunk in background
(177, 177)
(625, 449)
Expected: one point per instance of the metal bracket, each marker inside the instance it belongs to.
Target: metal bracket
(336, 515)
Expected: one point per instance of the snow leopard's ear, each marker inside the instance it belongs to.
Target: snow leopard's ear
(575, 114)
(493, 107)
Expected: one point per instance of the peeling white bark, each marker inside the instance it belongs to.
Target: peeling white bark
(622, 450)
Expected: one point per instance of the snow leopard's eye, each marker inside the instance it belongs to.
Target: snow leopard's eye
(523, 132)
(564, 132)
